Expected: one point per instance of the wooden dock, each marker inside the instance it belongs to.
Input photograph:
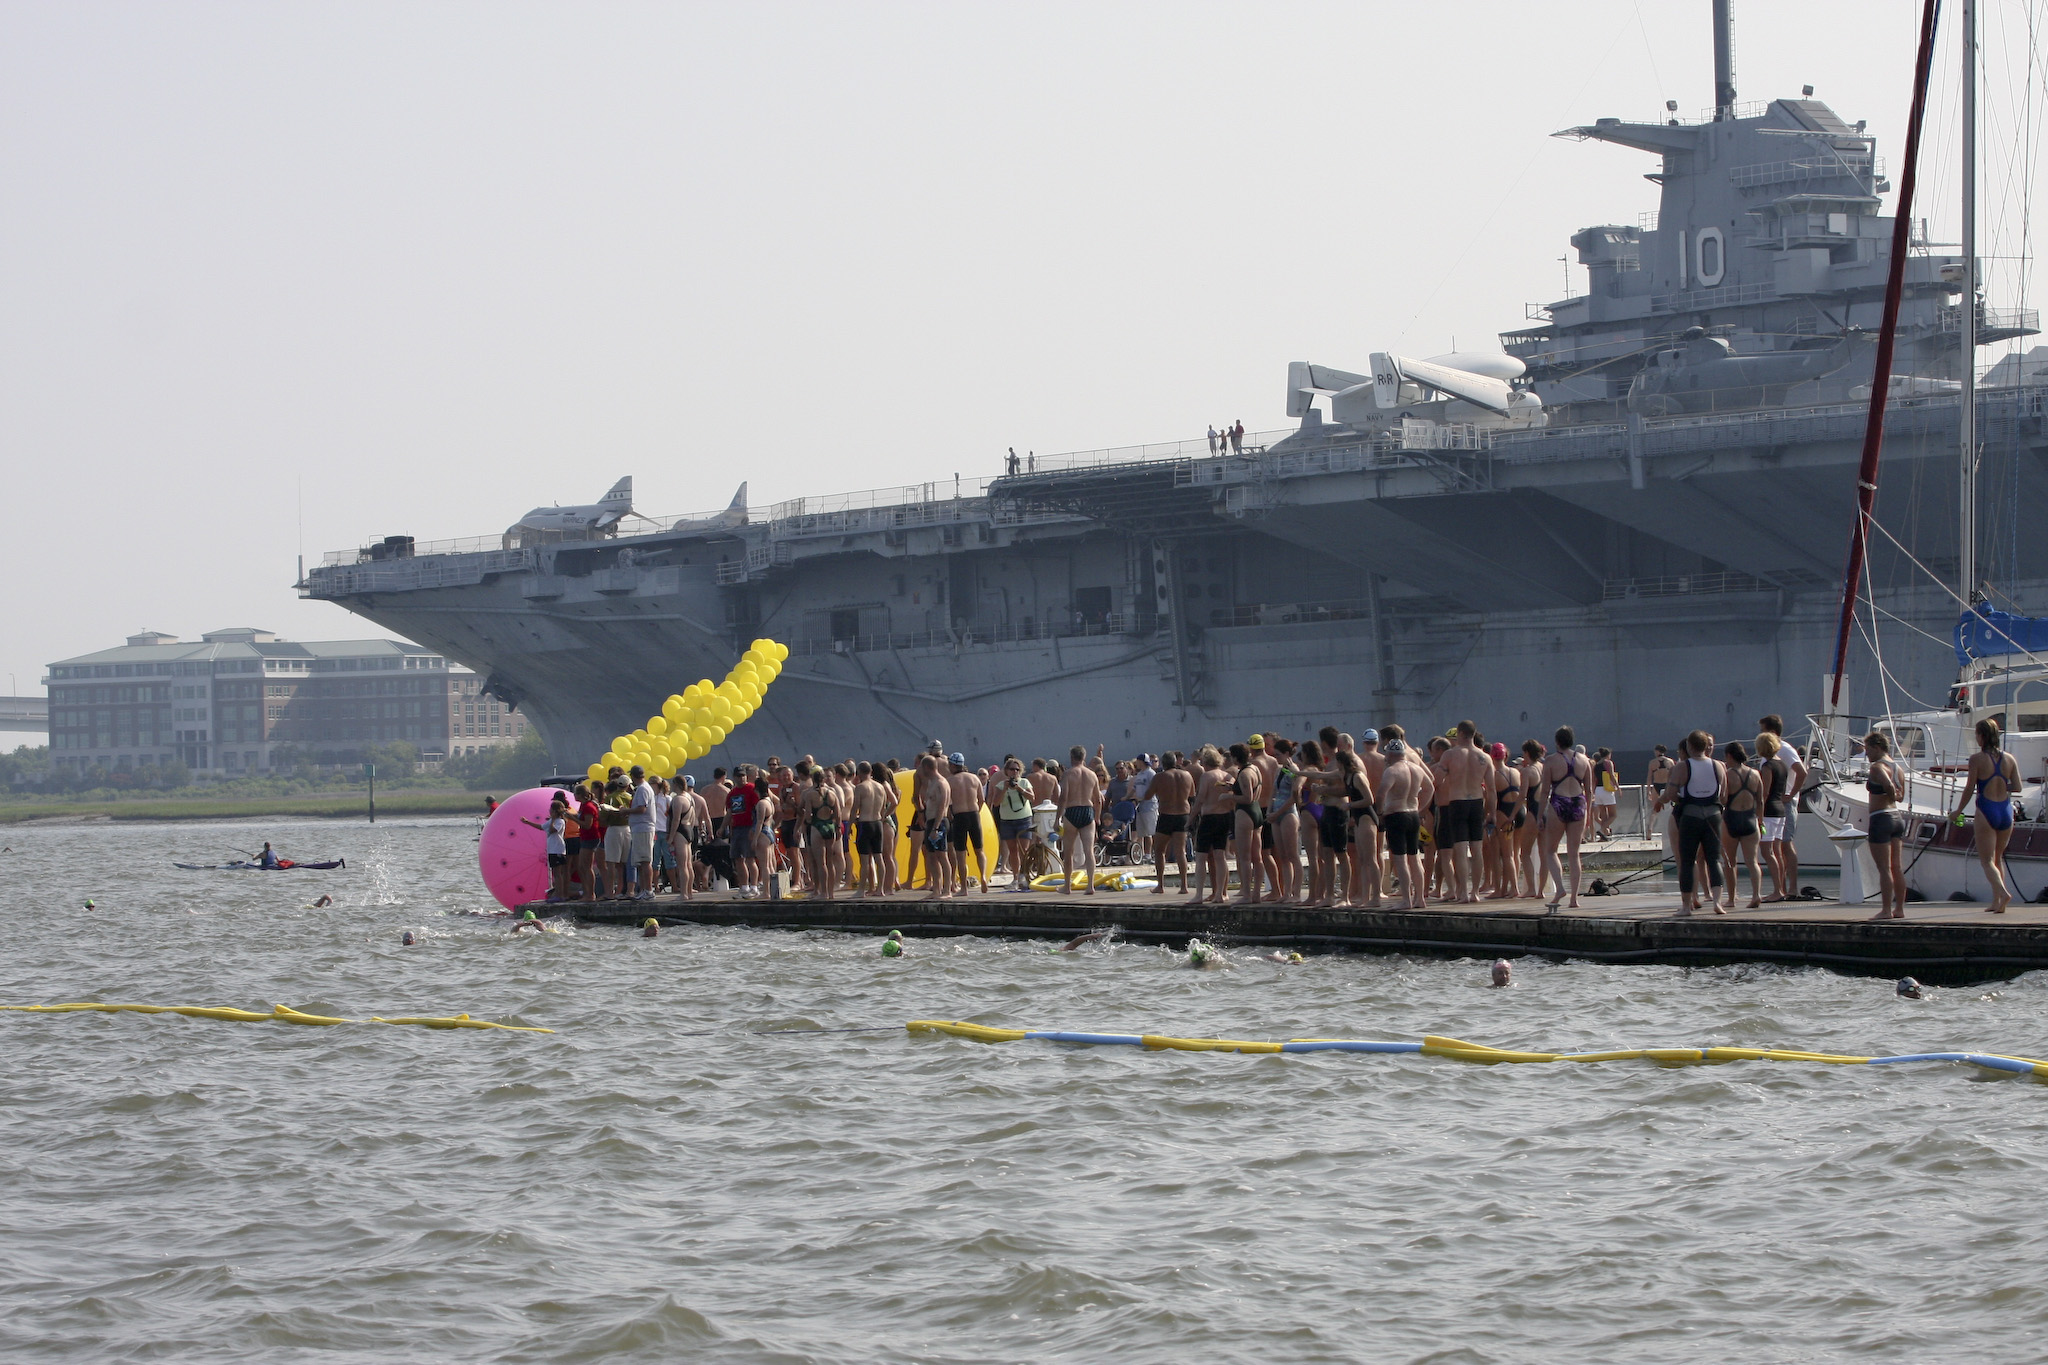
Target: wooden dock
(1945, 943)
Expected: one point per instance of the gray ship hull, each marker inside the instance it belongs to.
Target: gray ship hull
(1311, 593)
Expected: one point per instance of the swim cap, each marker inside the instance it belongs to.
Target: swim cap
(1255, 742)
(651, 924)
(896, 934)
(89, 904)
(1498, 750)
(1395, 748)
(1294, 957)
(1371, 736)
(891, 948)
(527, 914)
(407, 940)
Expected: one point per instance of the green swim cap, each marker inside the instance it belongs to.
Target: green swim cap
(526, 914)
(896, 933)
(892, 948)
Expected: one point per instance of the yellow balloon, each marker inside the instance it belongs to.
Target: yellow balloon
(622, 744)
(718, 734)
(703, 686)
(639, 737)
(781, 650)
(694, 752)
(595, 772)
(610, 760)
(700, 739)
(657, 725)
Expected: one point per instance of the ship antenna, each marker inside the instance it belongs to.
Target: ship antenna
(1881, 370)
(1724, 60)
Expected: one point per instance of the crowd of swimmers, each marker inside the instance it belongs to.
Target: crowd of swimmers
(1338, 821)
(1334, 821)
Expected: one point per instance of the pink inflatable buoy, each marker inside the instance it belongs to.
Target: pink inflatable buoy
(514, 857)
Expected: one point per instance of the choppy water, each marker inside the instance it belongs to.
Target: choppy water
(662, 1180)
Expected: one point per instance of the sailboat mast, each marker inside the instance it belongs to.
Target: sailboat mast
(1966, 565)
(1887, 335)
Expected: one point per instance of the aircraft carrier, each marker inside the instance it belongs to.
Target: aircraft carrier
(1632, 518)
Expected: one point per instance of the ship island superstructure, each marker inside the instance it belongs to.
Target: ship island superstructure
(1631, 518)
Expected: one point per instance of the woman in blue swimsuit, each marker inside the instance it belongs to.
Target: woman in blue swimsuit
(1994, 777)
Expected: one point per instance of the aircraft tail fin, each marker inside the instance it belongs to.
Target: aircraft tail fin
(621, 495)
(739, 499)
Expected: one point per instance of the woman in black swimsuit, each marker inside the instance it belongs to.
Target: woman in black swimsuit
(1884, 784)
(1738, 822)
(1249, 809)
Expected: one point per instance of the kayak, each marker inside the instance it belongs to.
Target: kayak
(283, 865)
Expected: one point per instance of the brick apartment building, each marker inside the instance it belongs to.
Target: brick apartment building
(224, 705)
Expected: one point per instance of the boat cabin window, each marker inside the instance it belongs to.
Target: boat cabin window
(1908, 742)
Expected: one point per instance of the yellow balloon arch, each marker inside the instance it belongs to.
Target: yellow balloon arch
(697, 718)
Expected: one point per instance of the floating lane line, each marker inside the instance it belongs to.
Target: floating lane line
(1456, 1049)
(278, 1014)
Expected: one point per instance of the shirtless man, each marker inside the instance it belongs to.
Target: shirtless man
(1215, 807)
(934, 797)
(870, 803)
(1566, 792)
(1044, 786)
(1079, 788)
(1174, 788)
(1468, 782)
(715, 798)
(965, 821)
(1406, 791)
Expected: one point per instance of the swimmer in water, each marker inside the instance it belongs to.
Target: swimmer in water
(892, 946)
(1909, 989)
(1291, 959)
(89, 904)
(1087, 938)
(652, 929)
(528, 920)
(322, 903)
(407, 940)
(1503, 973)
(1202, 956)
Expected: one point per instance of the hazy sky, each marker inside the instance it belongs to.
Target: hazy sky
(278, 278)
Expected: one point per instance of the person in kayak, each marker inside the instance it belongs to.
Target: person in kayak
(268, 860)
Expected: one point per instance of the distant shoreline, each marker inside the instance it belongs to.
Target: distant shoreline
(345, 806)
